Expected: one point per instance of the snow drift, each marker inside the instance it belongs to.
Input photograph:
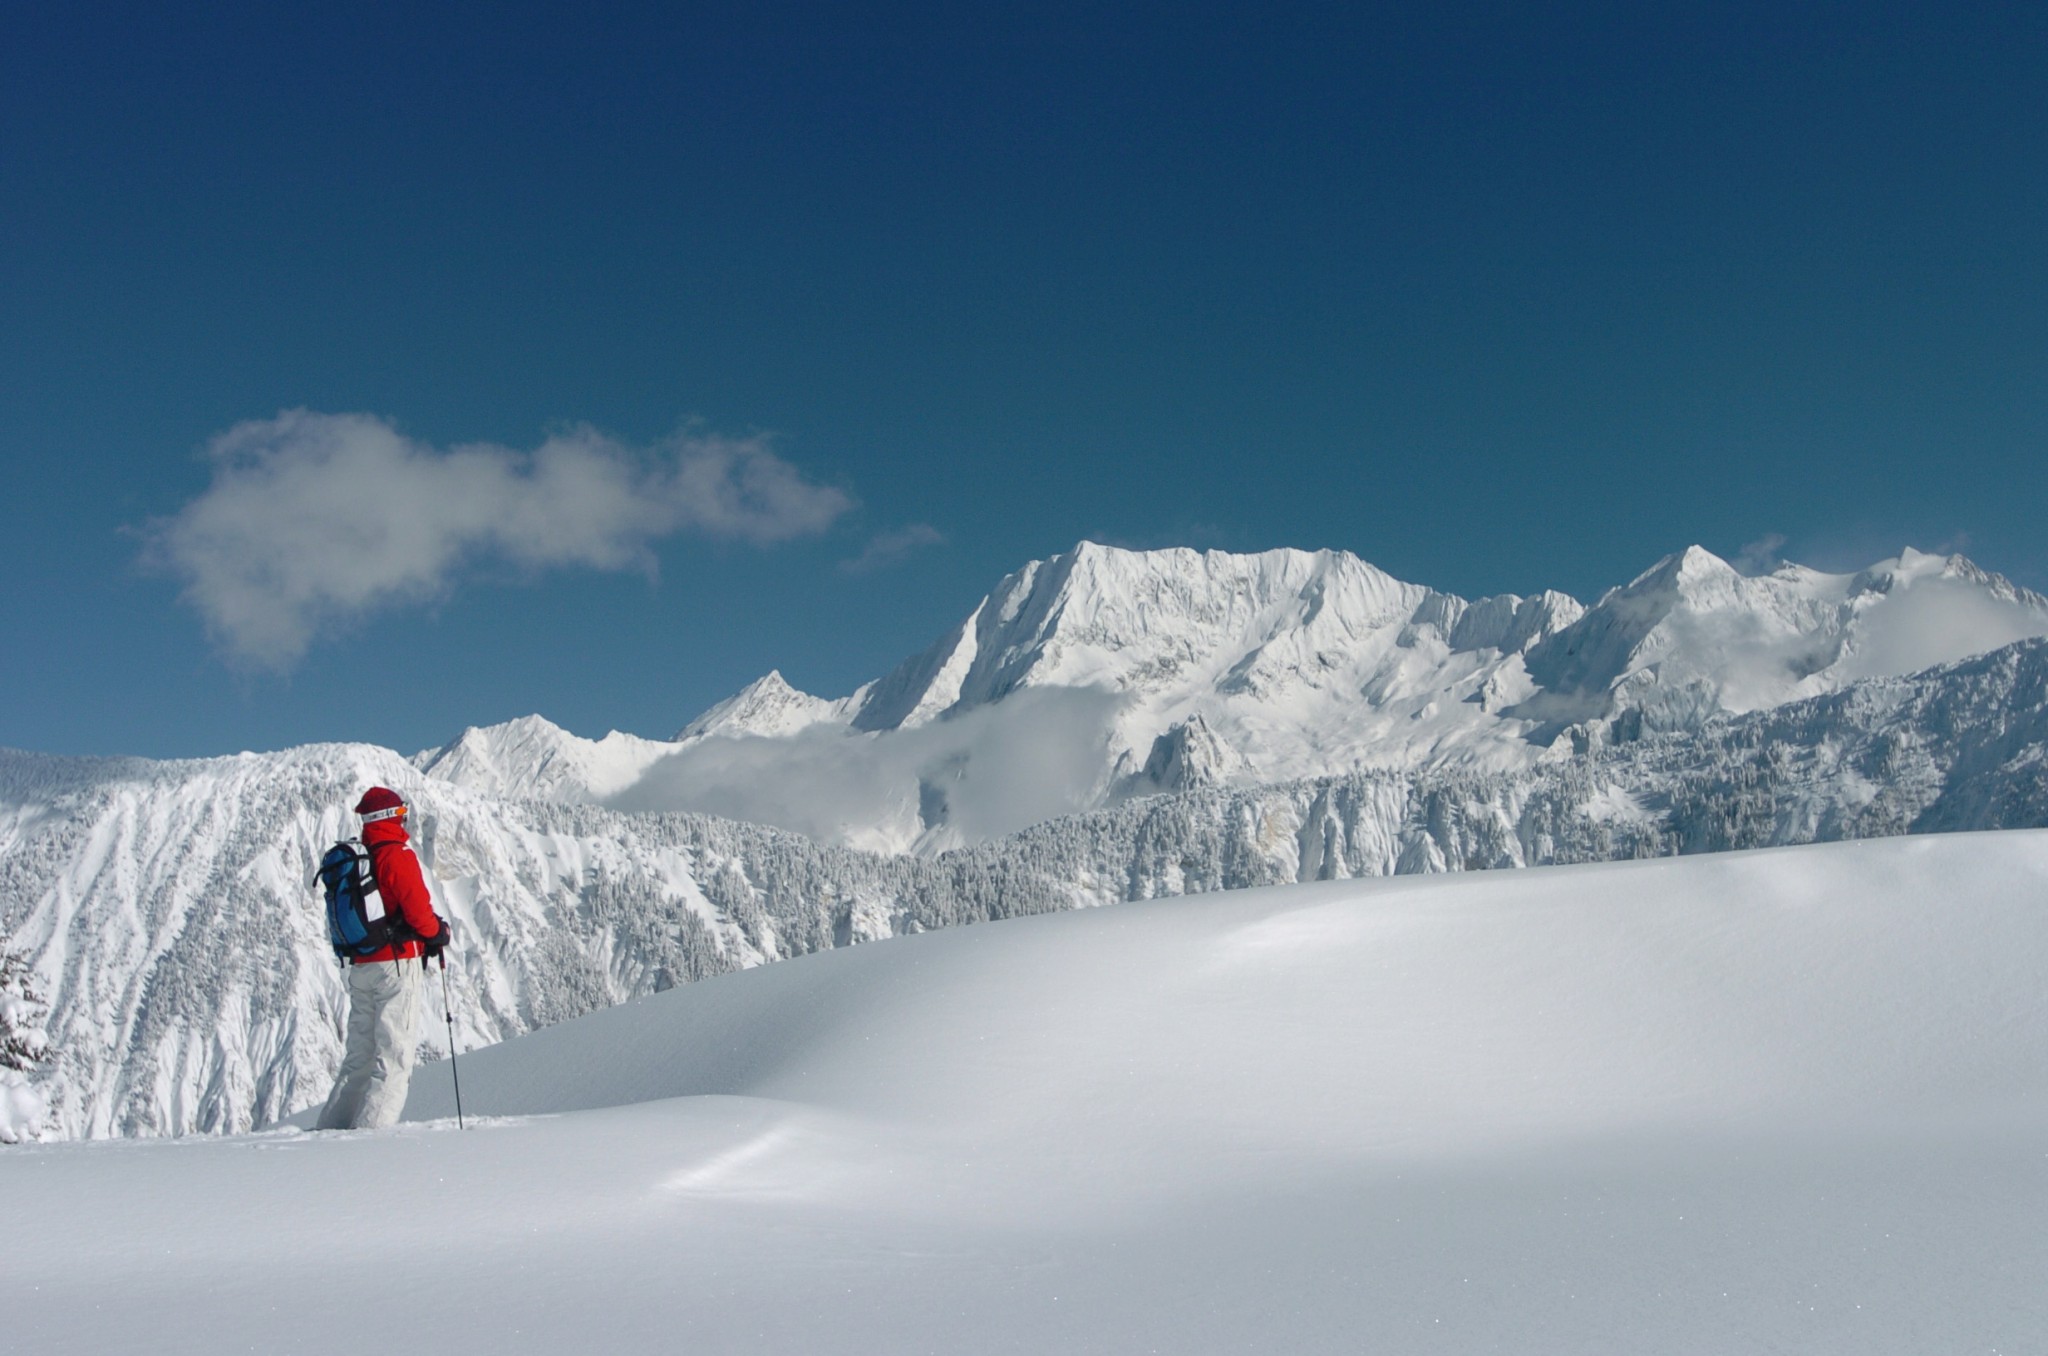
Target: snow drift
(1786, 1100)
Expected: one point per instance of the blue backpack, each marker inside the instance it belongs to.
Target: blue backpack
(357, 923)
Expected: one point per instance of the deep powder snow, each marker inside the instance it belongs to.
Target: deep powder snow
(1786, 1100)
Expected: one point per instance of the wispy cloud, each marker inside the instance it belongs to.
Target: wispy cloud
(1844, 548)
(981, 774)
(887, 548)
(1760, 556)
(313, 518)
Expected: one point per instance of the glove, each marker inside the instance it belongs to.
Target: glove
(436, 944)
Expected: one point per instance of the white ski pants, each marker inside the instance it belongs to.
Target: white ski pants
(383, 1038)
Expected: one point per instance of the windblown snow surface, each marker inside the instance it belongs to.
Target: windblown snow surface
(1792, 1100)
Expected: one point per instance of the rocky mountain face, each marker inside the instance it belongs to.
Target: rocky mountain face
(1101, 675)
(168, 912)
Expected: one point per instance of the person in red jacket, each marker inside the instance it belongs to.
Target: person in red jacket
(383, 987)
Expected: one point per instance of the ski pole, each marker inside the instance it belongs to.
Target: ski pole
(454, 1069)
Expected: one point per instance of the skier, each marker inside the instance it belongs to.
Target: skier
(383, 990)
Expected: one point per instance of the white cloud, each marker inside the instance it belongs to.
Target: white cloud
(1935, 621)
(887, 548)
(1039, 753)
(314, 518)
(1760, 556)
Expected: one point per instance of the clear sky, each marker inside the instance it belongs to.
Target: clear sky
(830, 315)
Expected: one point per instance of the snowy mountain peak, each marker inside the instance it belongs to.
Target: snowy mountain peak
(532, 758)
(767, 706)
(1138, 621)
(1692, 635)
(1101, 673)
(1697, 562)
(1912, 567)
(1693, 575)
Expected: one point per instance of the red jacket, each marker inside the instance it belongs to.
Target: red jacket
(400, 885)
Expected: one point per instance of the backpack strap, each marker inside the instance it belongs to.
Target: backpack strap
(402, 930)
(370, 870)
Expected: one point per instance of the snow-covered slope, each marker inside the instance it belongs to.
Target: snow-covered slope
(169, 912)
(1103, 674)
(166, 905)
(1783, 1101)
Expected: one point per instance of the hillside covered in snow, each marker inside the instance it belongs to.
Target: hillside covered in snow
(1103, 675)
(167, 907)
(1788, 1100)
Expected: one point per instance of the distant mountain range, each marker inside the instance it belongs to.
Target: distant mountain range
(1107, 726)
(1101, 675)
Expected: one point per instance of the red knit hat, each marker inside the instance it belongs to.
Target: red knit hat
(380, 802)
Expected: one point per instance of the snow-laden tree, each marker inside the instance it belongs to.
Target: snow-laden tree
(24, 1046)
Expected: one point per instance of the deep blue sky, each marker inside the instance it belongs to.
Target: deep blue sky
(1500, 297)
